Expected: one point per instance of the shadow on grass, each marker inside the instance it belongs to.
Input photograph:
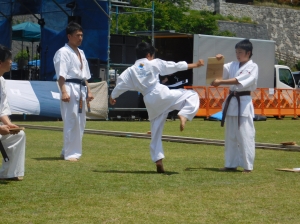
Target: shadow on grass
(135, 172)
(48, 158)
(4, 182)
(211, 169)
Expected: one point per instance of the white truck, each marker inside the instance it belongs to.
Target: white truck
(270, 75)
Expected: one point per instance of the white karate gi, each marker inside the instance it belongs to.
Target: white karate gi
(158, 98)
(68, 65)
(240, 141)
(14, 145)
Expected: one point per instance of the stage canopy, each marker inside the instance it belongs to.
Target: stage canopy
(28, 32)
(53, 17)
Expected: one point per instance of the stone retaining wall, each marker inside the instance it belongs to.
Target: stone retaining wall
(281, 25)
(251, 31)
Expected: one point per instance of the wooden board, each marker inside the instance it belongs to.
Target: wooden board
(214, 69)
(295, 170)
(288, 143)
(17, 129)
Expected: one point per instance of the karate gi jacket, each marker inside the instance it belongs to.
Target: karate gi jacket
(67, 65)
(247, 77)
(143, 77)
(4, 106)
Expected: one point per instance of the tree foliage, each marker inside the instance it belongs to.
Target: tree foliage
(181, 3)
(169, 15)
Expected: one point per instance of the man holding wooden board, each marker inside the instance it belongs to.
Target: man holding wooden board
(12, 138)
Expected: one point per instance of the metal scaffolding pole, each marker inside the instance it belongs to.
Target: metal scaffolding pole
(142, 10)
(109, 15)
(108, 42)
(152, 36)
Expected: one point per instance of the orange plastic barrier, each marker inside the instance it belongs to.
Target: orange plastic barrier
(279, 103)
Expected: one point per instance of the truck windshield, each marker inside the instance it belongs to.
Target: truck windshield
(286, 77)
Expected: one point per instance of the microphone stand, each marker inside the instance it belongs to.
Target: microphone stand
(28, 59)
(45, 62)
(35, 75)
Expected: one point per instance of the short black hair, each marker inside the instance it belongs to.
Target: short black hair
(142, 49)
(73, 27)
(245, 45)
(5, 53)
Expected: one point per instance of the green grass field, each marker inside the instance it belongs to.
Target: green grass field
(115, 180)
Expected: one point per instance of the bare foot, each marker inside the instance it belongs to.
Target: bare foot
(73, 159)
(182, 122)
(247, 171)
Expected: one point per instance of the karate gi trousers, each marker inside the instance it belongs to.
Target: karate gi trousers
(14, 146)
(74, 124)
(188, 106)
(239, 142)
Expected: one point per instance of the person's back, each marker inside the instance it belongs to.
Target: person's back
(141, 75)
(144, 73)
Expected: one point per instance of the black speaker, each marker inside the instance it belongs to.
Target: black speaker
(131, 40)
(76, 19)
(6, 75)
(116, 54)
(130, 55)
(129, 99)
(122, 49)
(17, 75)
(97, 68)
(116, 39)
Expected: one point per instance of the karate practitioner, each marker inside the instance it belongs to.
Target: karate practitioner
(158, 98)
(13, 141)
(242, 77)
(73, 72)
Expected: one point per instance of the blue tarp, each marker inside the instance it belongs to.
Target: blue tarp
(43, 98)
(5, 8)
(95, 28)
(216, 116)
(34, 97)
(95, 25)
(26, 7)
(14, 66)
(51, 41)
(34, 63)
(5, 33)
(49, 105)
(93, 20)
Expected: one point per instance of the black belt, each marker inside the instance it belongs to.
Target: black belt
(81, 82)
(237, 96)
(77, 81)
(4, 155)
